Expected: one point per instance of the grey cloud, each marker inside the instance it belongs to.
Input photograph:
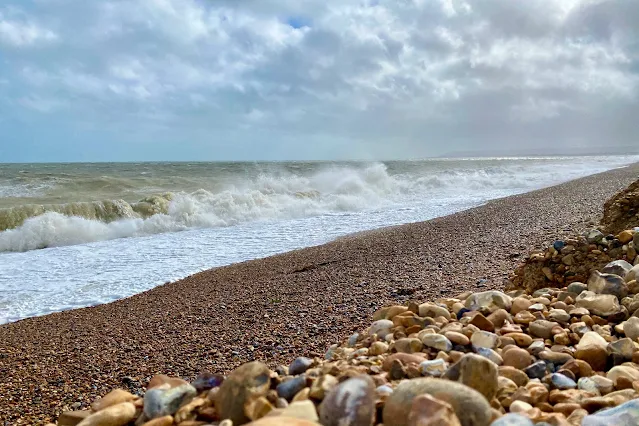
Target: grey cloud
(387, 78)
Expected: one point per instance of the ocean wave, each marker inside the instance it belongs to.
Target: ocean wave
(268, 196)
(29, 227)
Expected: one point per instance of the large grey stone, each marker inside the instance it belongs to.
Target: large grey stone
(599, 304)
(617, 267)
(607, 284)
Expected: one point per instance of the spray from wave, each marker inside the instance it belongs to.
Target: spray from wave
(268, 196)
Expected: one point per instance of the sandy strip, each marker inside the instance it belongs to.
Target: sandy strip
(297, 303)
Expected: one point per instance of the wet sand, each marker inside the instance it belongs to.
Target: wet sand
(287, 305)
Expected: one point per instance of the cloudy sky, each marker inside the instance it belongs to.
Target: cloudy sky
(319, 79)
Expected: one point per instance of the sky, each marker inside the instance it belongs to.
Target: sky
(136, 80)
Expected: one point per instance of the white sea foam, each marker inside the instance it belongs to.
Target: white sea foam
(332, 189)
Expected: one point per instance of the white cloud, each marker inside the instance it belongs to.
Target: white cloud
(23, 32)
(364, 70)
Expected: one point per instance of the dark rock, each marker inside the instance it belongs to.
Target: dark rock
(537, 370)
(206, 381)
(290, 388)
(299, 366)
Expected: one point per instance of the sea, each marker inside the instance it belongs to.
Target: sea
(82, 234)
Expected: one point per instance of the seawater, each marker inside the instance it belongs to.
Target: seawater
(75, 235)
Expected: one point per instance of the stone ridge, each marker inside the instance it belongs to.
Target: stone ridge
(622, 210)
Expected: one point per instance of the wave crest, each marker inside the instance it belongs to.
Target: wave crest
(29, 227)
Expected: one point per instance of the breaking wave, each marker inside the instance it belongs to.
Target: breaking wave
(268, 196)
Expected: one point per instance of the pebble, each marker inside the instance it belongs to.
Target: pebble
(556, 358)
(250, 380)
(542, 328)
(607, 284)
(592, 348)
(520, 407)
(559, 315)
(484, 339)
(537, 370)
(160, 402)
(405, 359)
(206, 381)
(427, 410)
(520, 304)
(381, 328)
(434, 368)
(116, 396)
(299, 366)
(458, 338)
(489, 301)
(623, 371)
(476, 372)
(433, 310)
(576, 288)
(626, 414)
(161, 421)
(491, 355)
(352, 340)
(624, 348)
(631, 328)
(594, 237)
(604, 384)
(499, 317)
(289, 388)
(517, 358)
(516, 375)
(437, 341)
(470, 406)
(626, 236)
(378, 348)
(599, 304)
(617, 267)
(521, 339)
(633, 274)
(322, 386)
(536, 347)
(408, 345)
(352, 402)
(481, 322)
(561, 382)
(513, 420)
(115, 415)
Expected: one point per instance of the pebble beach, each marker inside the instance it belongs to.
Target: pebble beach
(519, 312)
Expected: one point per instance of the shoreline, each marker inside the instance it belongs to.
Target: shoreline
(312, 297)
(161, 279)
